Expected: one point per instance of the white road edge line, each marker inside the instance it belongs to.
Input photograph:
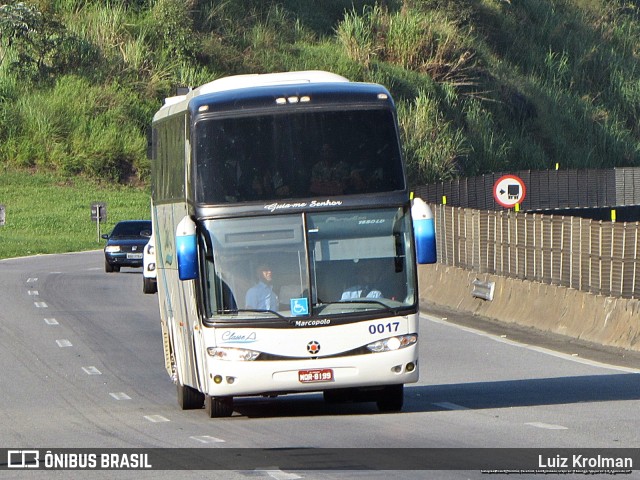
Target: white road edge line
(276, 473)
(207, 439)
(91, 371)
(120, 396)
(546, 351)
(546, 426)
(450, 406)
(156, 418)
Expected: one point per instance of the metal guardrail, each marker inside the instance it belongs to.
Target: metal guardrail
(588, 255)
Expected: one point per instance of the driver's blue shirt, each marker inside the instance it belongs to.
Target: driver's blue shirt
(262, 297)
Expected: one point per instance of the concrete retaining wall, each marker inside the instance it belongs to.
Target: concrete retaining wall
(604, 320)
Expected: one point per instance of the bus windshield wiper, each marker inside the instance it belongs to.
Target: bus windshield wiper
(252, 310)
(385, 307)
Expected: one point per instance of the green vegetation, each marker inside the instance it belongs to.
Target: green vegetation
(49, 213)
(481, 85)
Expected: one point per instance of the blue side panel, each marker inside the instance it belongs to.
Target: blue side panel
(425, 234)
(186, 247)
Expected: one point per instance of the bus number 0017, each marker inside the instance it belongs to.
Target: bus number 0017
(384, 327)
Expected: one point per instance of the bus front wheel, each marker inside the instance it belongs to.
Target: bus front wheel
(218, 406)
(391, 398)
(189, 398)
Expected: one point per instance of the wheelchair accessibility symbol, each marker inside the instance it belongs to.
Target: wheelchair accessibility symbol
(299, 306)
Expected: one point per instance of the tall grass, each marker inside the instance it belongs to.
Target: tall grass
(77, 127)
(434, 148)
(427, 42)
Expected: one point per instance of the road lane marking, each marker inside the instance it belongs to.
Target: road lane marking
(51, 321)
(33, 293)
(546, 351)
(546, 426)
(450, 406)
(120, 396)
(156, 418)
(278, 474)
(63, 343)
(40, 304)
(91, 371)
(32, 279)
(207, 439)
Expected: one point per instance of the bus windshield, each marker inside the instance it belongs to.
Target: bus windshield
(308, 265)
(296, 155)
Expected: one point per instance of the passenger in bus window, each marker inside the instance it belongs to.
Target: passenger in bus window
(258, 185)
(365, 289)
(329, 176)
(262, 296)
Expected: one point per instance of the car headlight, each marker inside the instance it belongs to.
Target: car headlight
(233, 354)
(393, 343)
(112, 248)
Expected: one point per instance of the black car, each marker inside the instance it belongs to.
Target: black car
(125, 244)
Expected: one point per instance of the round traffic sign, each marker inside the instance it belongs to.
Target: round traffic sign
(509, 190)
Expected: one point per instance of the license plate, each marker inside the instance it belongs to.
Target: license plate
(316, 375)
(134, 256)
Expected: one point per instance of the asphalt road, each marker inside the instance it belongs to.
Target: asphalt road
(82, 367)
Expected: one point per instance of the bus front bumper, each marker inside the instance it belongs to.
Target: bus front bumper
(238, 378)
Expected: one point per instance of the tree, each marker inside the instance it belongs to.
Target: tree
(34, 38)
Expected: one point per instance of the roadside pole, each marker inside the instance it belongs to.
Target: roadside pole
(98, 215)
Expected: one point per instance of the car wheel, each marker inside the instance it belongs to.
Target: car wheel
(149, 285)
(217, 407)
(108, 267)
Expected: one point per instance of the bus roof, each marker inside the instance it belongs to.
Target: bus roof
(237, 82)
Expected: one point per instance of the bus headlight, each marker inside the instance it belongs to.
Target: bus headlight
(233, 354)
(393, 343)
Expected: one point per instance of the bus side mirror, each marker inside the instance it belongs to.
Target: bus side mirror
(187, 249)
(424, 232)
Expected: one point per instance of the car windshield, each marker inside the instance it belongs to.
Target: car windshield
(288, 267)
(132, 229)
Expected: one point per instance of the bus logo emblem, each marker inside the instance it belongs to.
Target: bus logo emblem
(313, 347)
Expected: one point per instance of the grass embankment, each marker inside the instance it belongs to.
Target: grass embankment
(46, 213)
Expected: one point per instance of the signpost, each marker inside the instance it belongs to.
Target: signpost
(2, 215)
(509, 191)
(98, 214)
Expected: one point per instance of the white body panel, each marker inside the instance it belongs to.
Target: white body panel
(259, 377)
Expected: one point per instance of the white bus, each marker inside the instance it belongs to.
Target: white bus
(285, 248)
